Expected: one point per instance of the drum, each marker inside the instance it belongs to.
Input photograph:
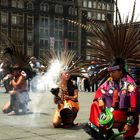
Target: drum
(66, 113)
(67, 116)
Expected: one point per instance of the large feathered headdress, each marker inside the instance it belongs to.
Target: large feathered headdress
(114, 42)
(15, 55)
(68, 60)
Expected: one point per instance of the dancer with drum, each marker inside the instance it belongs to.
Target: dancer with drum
(67, 101)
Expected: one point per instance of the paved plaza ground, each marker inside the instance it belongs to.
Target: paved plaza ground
(37, 124)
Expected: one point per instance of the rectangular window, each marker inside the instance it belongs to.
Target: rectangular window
(85, 3)
(30, 36)
(29, 51)
(94, 4)
(103, 16)
(43, 43)
(44, 33)
(41, 52)
(17, 36)
(89, 4)
(20, 19)
(98, 16)
(4, 18)
(108, 7)
(58, 33)
(17, 19)
(94, 15)
(14, 19)
(44, 22)
(3, 41)
(72, 45)
(30, 21)
(58, 45)
(59, 23)
(72, 35)
(89, 14)
(44, 26)
(14, 3)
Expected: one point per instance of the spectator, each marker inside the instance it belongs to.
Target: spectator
(86, 85)
(35, 64)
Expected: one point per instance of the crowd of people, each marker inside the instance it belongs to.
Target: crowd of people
(119, 92)
(116, 102)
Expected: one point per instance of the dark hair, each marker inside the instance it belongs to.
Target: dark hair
(71, 87)
(119, 62)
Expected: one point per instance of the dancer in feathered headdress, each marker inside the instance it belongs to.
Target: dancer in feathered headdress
(66, 92)
(113, 48)
(18, 62)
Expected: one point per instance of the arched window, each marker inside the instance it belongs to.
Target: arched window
(20, 4)
(44, 6)
(103, 5)
(14, 3)
(30, 6)
(99, 5)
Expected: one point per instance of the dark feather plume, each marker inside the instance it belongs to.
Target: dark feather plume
(14, 54)
(120, 40)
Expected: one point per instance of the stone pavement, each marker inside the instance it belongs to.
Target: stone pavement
(37, 124)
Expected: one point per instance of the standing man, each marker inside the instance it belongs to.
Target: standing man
(35, 65)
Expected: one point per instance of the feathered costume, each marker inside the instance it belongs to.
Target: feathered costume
(113, 48)
(66, 63)
(66, 59)
(18, 65)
